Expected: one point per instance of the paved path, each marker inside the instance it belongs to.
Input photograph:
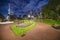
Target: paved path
(40, 32)
(6, 33)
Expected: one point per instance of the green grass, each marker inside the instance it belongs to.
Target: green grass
(21, 31)
(48, 21)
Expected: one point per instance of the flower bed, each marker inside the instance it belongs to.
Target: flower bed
(21, 31)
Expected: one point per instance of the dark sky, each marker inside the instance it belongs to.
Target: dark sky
(21, 6)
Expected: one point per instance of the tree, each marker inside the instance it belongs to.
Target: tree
(24, 16)
(1, 16)
(13, 17)
(51, 10)
(19, 17)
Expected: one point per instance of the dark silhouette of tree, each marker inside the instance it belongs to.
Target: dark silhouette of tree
(24, 16)
(2, 16)
(19, 17)
(52, 9)
(13, 17)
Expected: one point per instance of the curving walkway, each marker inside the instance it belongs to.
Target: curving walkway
(41, 31)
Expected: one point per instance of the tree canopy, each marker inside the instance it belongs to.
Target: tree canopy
(52, 9)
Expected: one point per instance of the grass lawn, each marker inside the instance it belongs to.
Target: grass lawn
(21, 31)
(48, 21)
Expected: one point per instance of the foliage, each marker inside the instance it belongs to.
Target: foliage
(52, 10)
(24, 17)
(21, 31)
(1, 16)
(13, 17)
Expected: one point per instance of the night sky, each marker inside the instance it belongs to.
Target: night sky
(21, 7)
